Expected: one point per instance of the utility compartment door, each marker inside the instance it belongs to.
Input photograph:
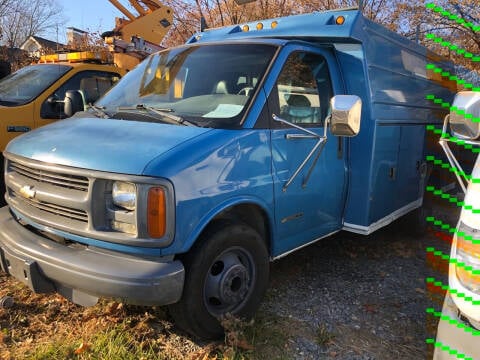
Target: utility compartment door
(309, 203)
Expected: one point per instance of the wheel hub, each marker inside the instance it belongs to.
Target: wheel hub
(234, 284)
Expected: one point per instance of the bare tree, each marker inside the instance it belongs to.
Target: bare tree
(23, 19)
(391, 13)
(460, 27)
(4, 7)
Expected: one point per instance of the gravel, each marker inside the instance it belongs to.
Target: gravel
(358, 297)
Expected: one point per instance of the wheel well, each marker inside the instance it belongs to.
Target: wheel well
(251, 215)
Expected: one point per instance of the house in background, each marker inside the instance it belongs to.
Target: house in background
(76, 38)
(36, 46)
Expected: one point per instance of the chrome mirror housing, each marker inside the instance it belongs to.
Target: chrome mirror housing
(346, 115)
(464, 115)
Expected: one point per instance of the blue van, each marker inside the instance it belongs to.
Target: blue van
(210, 159)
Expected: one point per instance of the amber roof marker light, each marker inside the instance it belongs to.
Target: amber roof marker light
(340, 20)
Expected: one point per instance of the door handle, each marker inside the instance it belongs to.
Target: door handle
(11, 128)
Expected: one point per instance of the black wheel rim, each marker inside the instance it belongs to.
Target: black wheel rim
(229, 281)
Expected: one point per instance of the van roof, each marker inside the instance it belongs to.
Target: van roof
(319, 25)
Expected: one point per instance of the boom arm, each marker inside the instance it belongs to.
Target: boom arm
(139, 35)
(152, 23)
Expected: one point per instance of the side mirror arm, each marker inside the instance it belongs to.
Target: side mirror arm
(318, 148)
(54, 100)
(310, 133)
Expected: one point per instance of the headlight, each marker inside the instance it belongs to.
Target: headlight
(468, 243)
(468, 255)
(124, 195)
(470, 212)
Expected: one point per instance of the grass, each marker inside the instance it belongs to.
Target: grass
(261, 339)
(323, 336)
(118, 342)
(265, 337)
(41, 327)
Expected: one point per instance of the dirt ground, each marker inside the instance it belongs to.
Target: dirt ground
(345, 297)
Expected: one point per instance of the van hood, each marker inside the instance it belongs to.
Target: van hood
(120, 146)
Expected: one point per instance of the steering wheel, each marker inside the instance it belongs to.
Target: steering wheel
(245, 91)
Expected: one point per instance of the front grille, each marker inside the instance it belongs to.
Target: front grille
(53, 196)
(63, 211)
(45, 176)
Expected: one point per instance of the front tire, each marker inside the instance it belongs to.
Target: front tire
(226, 272)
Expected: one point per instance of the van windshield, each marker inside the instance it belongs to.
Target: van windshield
(29, 82)
(206, 85)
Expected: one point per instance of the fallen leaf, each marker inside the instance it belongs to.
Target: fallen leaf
(82, 348)
(244, 345)
(371, 308)
(352, 255)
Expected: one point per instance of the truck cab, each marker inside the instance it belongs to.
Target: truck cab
(210, 159)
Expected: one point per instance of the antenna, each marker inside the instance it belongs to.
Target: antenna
(360, 5)
(56, 26)
(203, 24)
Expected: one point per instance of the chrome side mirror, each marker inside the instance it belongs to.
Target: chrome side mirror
(346, 115)
(465, 114)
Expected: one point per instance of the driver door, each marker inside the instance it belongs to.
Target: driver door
(309, 183)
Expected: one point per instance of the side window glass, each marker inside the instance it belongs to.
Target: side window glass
(304, 89)
(92, 85)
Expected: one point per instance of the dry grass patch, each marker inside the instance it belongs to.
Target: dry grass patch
(41, 327)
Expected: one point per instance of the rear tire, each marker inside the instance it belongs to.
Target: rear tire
(226, 272)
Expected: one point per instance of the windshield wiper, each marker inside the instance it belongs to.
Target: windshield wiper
(165, 113)
(99, 111)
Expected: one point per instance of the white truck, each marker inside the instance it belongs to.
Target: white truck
(459, 325)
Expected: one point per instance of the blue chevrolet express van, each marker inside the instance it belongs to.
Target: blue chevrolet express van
(210, 159)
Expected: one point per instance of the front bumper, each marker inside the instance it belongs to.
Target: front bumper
(451, 333)
(83, 274)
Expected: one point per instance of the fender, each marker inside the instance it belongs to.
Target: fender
(210, 215)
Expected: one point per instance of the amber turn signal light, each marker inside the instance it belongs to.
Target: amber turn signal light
(339, 20)
(156, 213)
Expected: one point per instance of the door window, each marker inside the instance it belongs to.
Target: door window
(304, 89)
(92, 85)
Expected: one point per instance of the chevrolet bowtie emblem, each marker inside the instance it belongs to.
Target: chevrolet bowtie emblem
(27, 192)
